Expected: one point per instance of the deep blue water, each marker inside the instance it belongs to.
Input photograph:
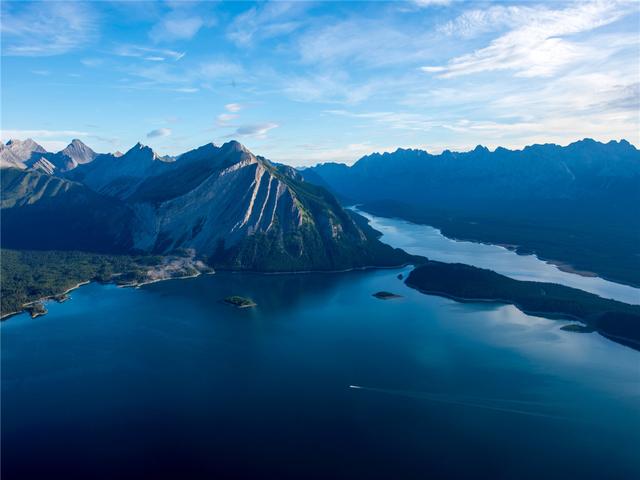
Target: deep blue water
(167, 382)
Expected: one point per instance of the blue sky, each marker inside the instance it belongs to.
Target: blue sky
(310, 82)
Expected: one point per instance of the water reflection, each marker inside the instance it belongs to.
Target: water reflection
(429, 242)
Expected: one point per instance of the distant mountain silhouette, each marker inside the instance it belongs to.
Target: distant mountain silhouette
(576, 204)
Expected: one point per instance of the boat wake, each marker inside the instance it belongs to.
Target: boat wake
(517, 407)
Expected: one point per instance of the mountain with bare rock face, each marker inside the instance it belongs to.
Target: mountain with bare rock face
(235, 209)
(15, 153)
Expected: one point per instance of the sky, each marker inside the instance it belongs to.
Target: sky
(309, 82)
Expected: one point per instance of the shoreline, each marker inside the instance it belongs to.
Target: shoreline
(500, 301)
(296, 272)
(561, 265)
(44, 299)
(185, 277)
(157, 280)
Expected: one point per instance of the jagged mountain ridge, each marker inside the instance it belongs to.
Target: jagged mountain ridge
(15, 153)
(548, 171)
(74, 154)
(29, 154)
(236, 209)
(573, 205)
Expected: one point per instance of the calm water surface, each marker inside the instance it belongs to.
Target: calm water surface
(168, 382)
(428, 241)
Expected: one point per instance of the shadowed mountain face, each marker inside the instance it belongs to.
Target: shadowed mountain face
(573, 204)
(235, 209)
(43, 212)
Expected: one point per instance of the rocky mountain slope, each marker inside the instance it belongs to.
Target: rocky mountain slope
(74, 154)
(29, 154)
(235, 209)
(15, 153)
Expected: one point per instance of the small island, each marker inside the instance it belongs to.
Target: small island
(615, 320)
(382, 295)
(239, 302)
(577, 328)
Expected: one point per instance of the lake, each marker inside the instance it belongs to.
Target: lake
(320, 380)
(428, 241)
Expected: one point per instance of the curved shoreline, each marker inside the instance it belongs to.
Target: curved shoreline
(499, 301)
(561, 265)
(44, 299)
(185, 277)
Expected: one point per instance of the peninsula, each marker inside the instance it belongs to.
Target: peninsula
(615, 320)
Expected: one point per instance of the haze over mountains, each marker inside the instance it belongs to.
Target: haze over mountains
(574, 204)
(235, 209)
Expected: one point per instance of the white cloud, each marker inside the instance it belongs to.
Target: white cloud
(233, 107)
(176, 25)
(224, 119)
(159, 132)
(46, 28)
(186, 90)
(147, 53)
(431, 3)
(270, 20)
(24, 134)
(537, 46)
(256, 131)
(475, 22)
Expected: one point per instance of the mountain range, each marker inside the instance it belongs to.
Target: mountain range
(236, 210)
(28, 154)
(575, 205)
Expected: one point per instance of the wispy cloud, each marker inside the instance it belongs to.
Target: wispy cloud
(330, 87)
(538, 45)
(256, 131)
(147, 53)
(224, 119)
(186, 90)
(475, 22)
(233, 107)
(270, 20)
(431, 3)
(407, 121)
(159, 132)
(46, 28)
(179, 78)
(176, 26)
(24, 134)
